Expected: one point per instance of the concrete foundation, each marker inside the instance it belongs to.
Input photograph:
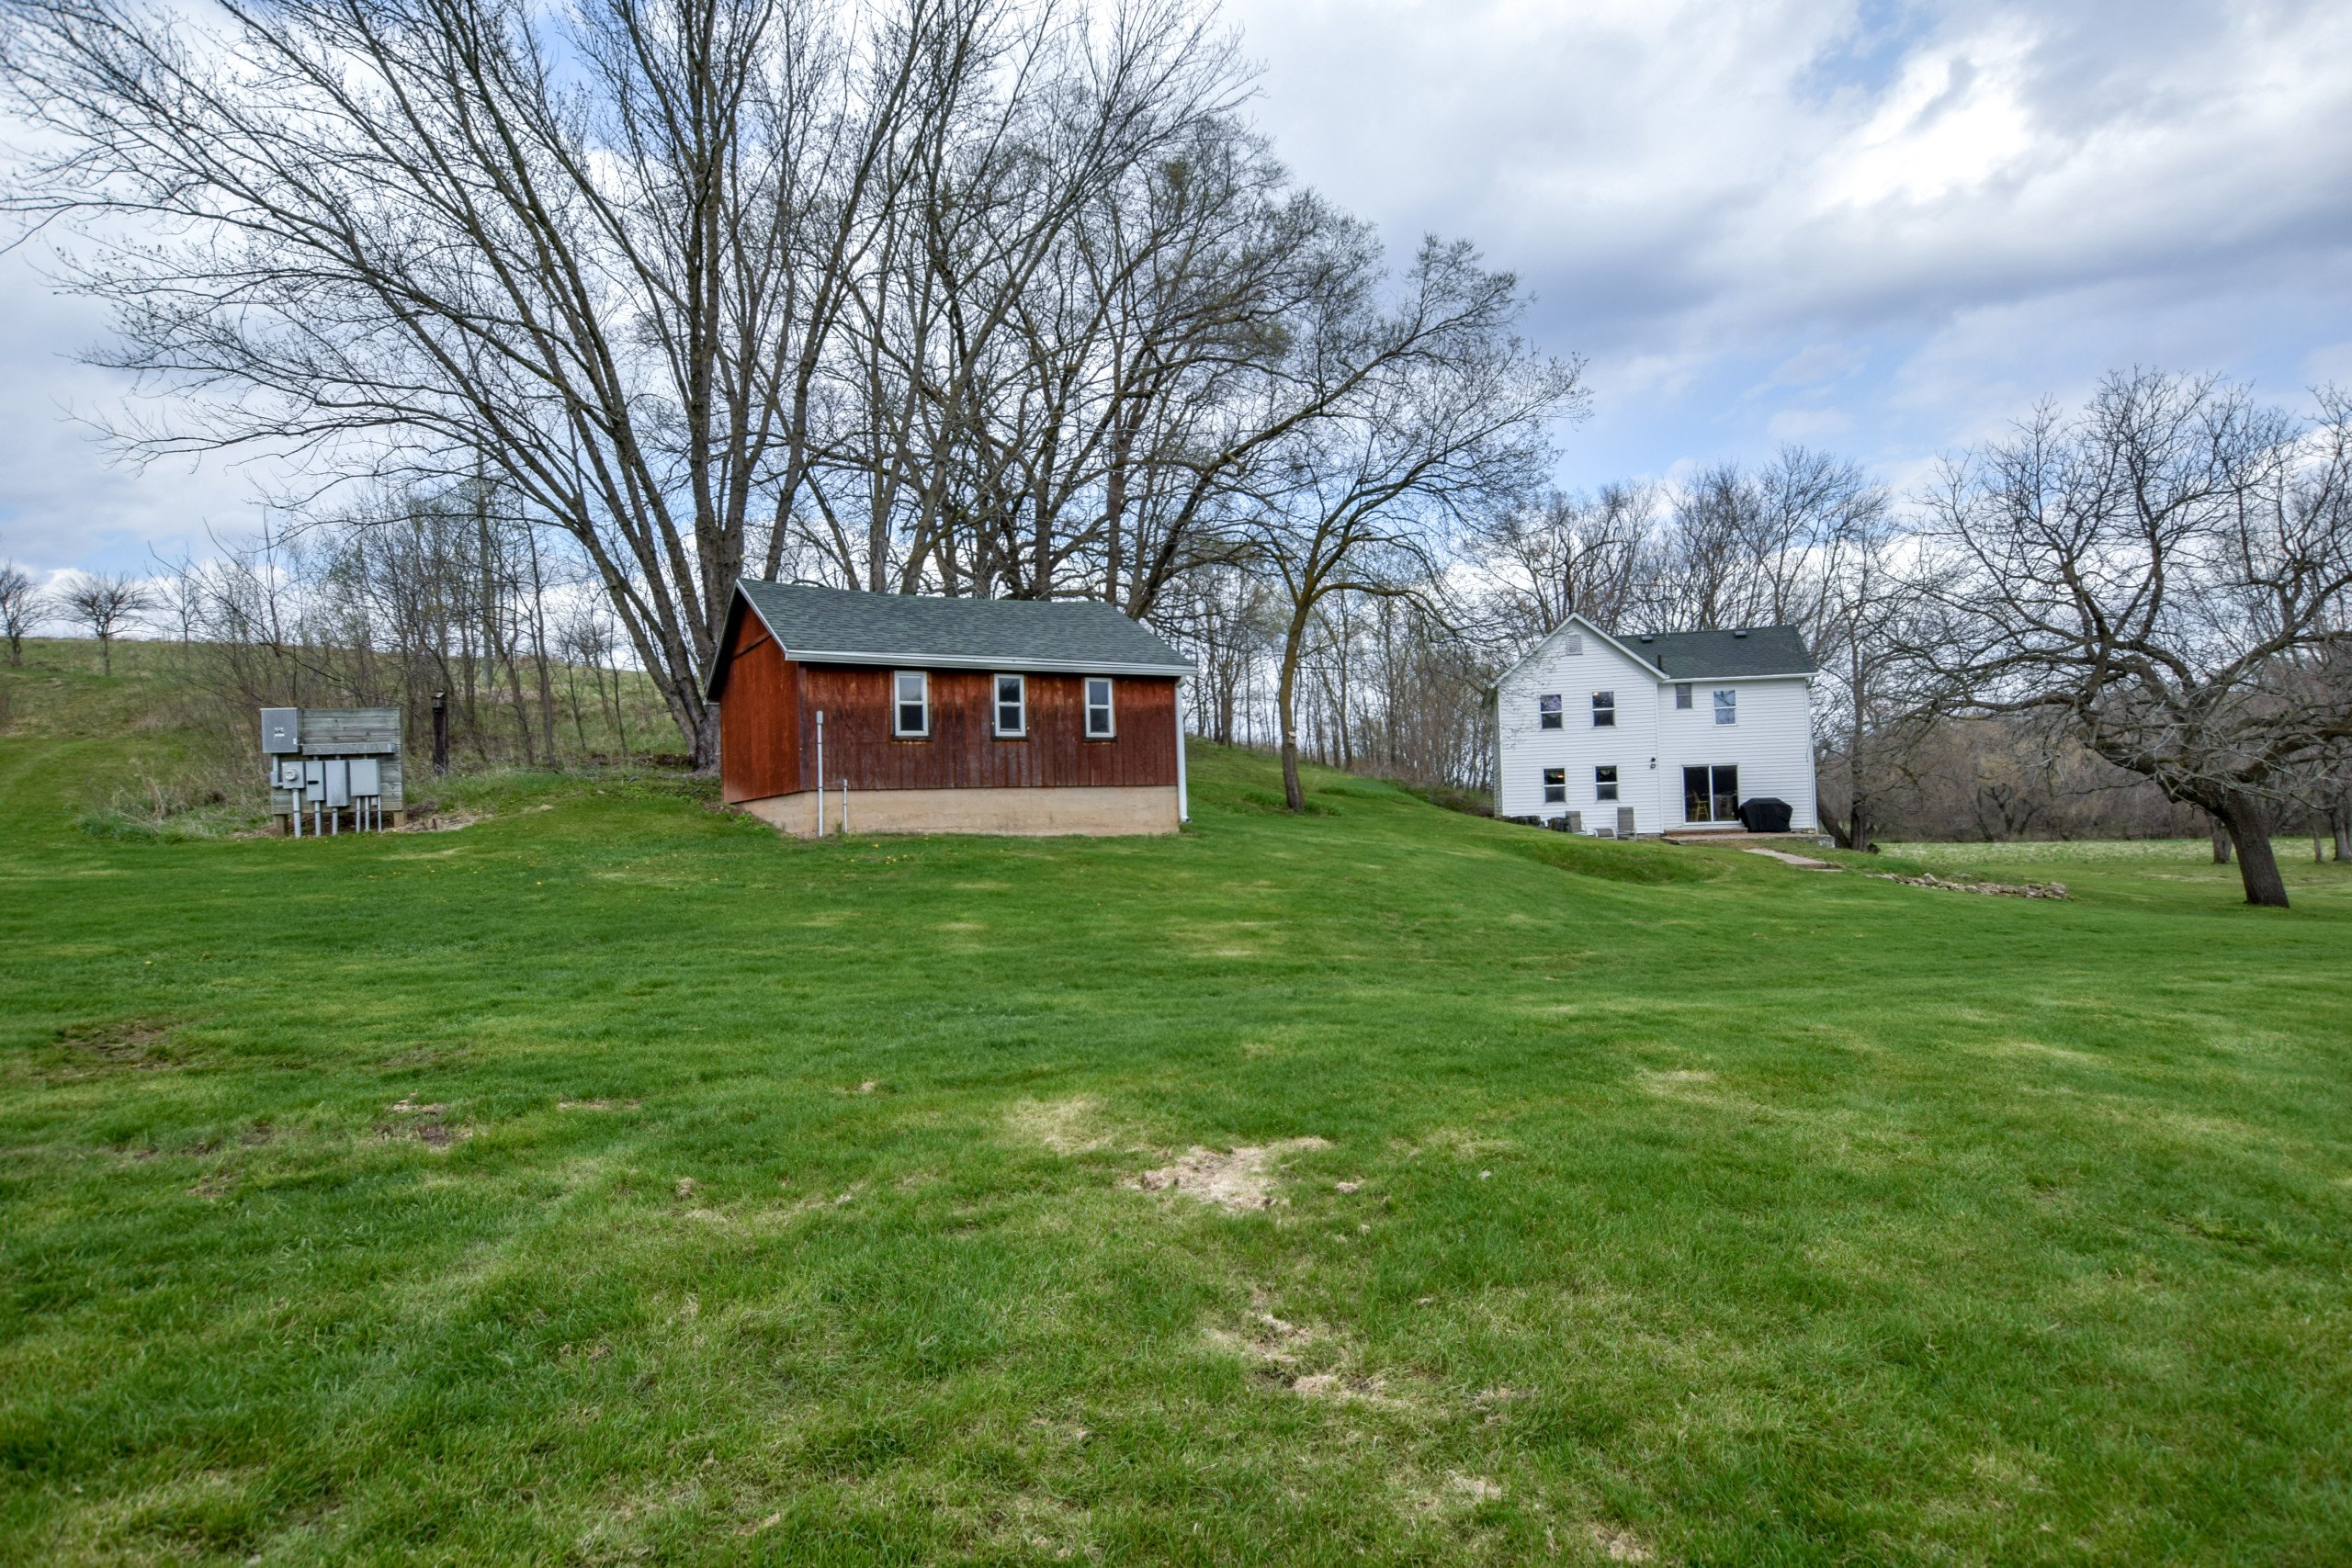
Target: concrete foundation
(1092, 811)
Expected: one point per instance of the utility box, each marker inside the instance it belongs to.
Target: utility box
(281, 731)
(334, 768)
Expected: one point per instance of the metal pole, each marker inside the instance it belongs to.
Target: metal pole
(821, 772)
(440, 732)
(844, 806)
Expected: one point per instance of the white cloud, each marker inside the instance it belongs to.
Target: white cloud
(64, 501)
(1943, 211)
(1809, 427)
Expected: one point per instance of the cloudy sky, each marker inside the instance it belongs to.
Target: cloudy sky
(1881, 228)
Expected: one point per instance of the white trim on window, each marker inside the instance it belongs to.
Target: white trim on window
(1017, 705)
(1727, 706)
(1604, 710)
(1556, 787)
(900, 702)
(1102, 705)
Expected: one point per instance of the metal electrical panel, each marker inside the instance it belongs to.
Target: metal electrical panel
(333, 768)
(281, 731)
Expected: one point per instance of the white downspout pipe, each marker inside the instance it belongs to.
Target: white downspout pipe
(821, 772)
(1183, 797)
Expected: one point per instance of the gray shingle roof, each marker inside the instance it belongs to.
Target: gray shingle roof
(1758, 650)
(840, 625)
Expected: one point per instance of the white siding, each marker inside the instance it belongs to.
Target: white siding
(1771, 745)
(1524, 749)
(1651, 742)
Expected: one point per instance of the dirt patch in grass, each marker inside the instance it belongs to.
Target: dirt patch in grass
(1242, 1178)
(1620, 1545)
(598, 1104)
(441, 821)
(140, 1042)
(1309, 1361)
(426, 1124)
(1073, 1126)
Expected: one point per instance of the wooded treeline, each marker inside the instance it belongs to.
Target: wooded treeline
(414, 597)
(989, 297)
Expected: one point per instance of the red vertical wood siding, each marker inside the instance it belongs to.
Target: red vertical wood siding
(962, 750)
(759, 718)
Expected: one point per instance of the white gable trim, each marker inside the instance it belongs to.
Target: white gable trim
(1577, 623)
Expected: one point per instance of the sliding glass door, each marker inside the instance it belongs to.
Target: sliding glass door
(1711, 795)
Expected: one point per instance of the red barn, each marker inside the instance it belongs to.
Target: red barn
(946, 716)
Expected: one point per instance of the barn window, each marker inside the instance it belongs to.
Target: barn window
(1011, 706)
(1547, 712)
(910, 691)
(1604, 710)
(1604, 784)
(1682, 693)
(1099, 723)
(1556, 787)
(1727, 707)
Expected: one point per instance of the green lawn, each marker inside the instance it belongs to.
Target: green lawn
(615, 1180)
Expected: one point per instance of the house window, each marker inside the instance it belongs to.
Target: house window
(1098, 708)
(1682, 693)
(1547, 712)
(910, 693)
(1556, 787)
(1604, 710)
(1604, 784)
(1711, 795)
(1726, 707)
(1012, 706)
(1575, 643)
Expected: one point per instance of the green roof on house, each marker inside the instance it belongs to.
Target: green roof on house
(842, 625)
(1754, 651)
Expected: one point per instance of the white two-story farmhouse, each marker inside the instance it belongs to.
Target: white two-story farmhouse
(1658, 734)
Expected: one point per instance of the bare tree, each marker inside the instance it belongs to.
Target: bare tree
(105, 602)
(20, 608)
(593, 250)
(1447, 418)
(1572, 555)
(2168, 571)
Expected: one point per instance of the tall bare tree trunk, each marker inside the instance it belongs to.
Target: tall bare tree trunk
(2341, 820)
(540, 643)
(2249, 826)
(2221, 842)
(1286, 701)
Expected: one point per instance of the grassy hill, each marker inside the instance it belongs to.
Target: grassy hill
(613, 1180)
